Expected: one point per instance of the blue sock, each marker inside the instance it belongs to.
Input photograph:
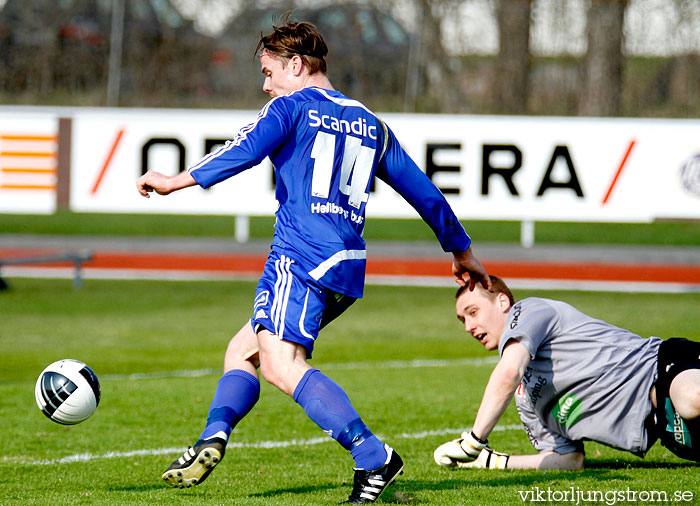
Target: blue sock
(329, 406)
(369, 454)
(236, 394)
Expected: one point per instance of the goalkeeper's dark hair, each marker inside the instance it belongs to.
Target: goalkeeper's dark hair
(292, 38)
(497, 286)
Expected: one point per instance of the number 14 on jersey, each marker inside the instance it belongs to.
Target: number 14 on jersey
(356, 168)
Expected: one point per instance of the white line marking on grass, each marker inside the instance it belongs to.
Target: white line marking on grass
(408, 364)
(442, 432)
(89, 457)
(194, 373)
(546, 284)
(333, 366)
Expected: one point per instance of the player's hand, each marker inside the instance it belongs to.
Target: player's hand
(153, 181)
(459, 451)
(488, 459)
(466, 263)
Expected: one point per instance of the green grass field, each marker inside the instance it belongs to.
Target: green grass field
(140, 335)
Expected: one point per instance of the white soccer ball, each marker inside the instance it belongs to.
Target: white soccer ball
(67, 392)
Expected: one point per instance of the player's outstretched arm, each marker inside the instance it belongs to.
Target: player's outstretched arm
(572, 461)
(153, 181)
(502, 384)
(466, 263)
(492, 459)
(499, 391)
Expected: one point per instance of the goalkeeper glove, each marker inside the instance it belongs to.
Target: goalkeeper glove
(464, 450)
(488, 459)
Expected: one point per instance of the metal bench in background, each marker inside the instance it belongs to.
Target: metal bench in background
(77, 258)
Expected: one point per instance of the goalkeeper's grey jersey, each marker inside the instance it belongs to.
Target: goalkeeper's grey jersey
(586, 379)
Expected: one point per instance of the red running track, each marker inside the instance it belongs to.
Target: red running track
(383, 266)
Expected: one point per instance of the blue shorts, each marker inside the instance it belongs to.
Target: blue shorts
(292, 305)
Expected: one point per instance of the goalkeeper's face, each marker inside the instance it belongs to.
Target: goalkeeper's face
(484, 315)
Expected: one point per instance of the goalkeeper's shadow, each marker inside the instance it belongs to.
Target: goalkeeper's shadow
(513, 477)
(600, 470)
(597, 464)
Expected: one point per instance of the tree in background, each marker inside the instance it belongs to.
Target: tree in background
(561, 57)
(513, 63)
(602, 66)
(431, 73)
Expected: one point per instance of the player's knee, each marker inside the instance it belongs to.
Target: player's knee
(238, 350)
(685, 394)
(269, 371)
(243, 347)
(690, 408)
(274, 371)
(576, 460)
(572, 461)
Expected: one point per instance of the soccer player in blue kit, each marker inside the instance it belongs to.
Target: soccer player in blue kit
(326, 149)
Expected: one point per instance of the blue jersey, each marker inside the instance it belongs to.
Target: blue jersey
(326, 149)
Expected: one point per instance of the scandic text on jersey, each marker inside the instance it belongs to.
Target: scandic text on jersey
(357, 127)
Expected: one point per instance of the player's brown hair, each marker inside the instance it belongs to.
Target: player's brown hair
(497, 286)
(296, 38)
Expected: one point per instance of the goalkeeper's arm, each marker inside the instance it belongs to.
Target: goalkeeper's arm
(499, 391)
(502, 384)
(492, 459)
(572, 461)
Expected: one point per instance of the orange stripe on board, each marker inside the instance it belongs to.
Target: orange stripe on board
(619, 170)
(8, 137)
(28, 153)
(17, 170)
(108, 160)
(28, 187)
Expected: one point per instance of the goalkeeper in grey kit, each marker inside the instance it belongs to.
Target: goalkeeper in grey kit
(575, 378)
